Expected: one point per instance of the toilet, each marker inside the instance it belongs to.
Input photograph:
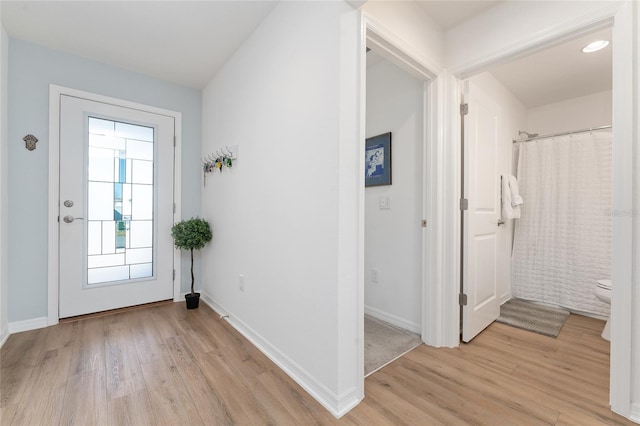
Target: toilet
(603, 292)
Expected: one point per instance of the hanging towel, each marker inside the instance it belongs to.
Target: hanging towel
(516, 199)
(508, 209)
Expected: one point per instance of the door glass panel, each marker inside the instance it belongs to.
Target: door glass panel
(120, 201)
(141, 234)
(100, 200)
(142, 202)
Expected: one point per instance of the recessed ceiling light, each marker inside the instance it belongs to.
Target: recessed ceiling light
(595, 46)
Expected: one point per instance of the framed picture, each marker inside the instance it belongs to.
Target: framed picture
(377, 160)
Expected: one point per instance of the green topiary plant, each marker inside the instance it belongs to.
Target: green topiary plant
(192, 234)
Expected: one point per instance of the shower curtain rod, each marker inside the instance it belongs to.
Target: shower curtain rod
(563, 133)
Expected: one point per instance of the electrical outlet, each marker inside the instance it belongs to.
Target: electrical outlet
(241, 282)
(375, 275)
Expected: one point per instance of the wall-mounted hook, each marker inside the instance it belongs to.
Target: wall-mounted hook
(220, 159)
(30, 142)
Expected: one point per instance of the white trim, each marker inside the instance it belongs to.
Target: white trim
(621, 14)
(4, 338)
(54, 182)
(441, 313)
(393, 320)
(625, 111)
(26, 325)
(338, 405)
(634, 413)
(392, 47)
(177, 214)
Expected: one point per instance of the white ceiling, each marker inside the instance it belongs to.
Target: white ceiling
(559, 72)
(449, 13)
(186, 42)
(179, 41)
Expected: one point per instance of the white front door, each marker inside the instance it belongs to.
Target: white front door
(115, 206)
(481, 181)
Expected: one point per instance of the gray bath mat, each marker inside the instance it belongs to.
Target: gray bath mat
(384, 343)
(533, 317)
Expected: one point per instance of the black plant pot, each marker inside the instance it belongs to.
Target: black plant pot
(192, 300)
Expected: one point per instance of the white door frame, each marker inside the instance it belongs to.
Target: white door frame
(619, 15)
(54, 184)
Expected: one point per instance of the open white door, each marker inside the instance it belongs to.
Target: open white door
(480, 219)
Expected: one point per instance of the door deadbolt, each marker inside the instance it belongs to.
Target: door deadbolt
(68, 203)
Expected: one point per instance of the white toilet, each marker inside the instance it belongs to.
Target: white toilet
(603, 292)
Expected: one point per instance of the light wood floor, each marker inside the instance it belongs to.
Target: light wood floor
(167, 365)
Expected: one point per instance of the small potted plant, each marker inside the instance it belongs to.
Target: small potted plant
(192, 234)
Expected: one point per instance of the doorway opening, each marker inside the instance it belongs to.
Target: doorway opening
(621, 266)
(566, 91)
(393, 212)
(389, 48)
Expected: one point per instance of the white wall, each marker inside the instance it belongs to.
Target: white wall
(512, 119)
(635, 354)
(4, 321)
(393, 237)
(32, 69)
(284, 99)
(572, 114)
(422, 38)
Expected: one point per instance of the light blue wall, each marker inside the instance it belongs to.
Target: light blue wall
(32, 69)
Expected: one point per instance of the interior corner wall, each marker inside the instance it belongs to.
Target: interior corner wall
(4, 321)
(393, 236)
(584, 112)
(32, 69)
(274, 262)
(513, 118)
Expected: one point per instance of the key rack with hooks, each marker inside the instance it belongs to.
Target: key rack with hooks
(219, 160)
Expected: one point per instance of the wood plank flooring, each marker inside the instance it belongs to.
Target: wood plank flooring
(165, 365)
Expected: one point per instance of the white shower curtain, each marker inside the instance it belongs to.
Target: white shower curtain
(562, 242)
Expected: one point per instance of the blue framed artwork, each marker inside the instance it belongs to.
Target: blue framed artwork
(377, 160)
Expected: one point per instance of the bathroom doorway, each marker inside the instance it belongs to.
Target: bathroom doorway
(555, 91)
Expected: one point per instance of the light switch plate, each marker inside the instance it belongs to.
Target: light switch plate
(384, 202)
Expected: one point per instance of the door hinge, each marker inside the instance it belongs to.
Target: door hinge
(464, 204)
(424, 223)
(174, 275)
(464, 109)
(174, 140)
(462, 299)
(174, 207)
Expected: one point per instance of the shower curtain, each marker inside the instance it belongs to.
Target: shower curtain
(562, 242)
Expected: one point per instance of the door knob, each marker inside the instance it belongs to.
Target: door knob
(68, 218)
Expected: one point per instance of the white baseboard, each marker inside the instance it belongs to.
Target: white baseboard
(394, 320)
(634, 413)
(4, 338)
(338, 405)
(26, 325)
